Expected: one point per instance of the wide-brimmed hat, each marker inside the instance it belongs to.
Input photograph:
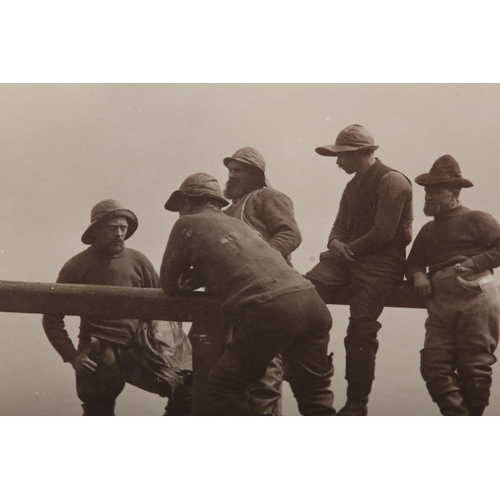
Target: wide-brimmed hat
(352, 138)
(251, 157)
(197, 186)
(445, 170)
(105, 210)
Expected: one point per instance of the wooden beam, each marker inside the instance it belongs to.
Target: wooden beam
(125, 302)
(105, 301)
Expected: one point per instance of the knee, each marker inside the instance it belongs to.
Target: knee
(301, 375)
(435, 363)
(475, 364)
(229, 373)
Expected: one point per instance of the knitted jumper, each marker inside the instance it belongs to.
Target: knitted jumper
(453, 237)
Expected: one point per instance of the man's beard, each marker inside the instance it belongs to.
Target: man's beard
(235, 189)
(431, 209)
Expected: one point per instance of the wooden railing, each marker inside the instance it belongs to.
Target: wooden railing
(123, 302)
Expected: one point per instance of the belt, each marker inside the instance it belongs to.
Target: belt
(481, 277)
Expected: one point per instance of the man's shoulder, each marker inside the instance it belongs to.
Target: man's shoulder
(425, 228)
(266, 193)
(73, 265)
(478, 215)
(79, 259)
(131, 253)
(395, 177)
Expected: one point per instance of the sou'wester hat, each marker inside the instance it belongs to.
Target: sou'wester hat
(445, 170)
(197, 186)
(352, 138)
(105, 210)
(251, 157)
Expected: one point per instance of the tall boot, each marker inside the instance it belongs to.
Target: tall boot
(452, 405)
(312, 389)
(361, 348)
(181, 402)
(98, 410)
(476, 411)
(265, 394)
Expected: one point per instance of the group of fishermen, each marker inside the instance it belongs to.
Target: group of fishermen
(278, 323)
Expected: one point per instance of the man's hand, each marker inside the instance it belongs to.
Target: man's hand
(422, 284)
(189, 281)
(466, 268)
(341, 250)
(83, 364)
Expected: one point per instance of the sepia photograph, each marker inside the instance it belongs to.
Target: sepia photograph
(229, 209)
(343, 181)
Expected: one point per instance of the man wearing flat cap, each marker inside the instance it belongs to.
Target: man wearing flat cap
(106, 358)
(366, 253)
(270, 306)
(451, 264)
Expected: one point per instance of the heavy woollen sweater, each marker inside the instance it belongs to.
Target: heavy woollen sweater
(453, 237)
(129, 268)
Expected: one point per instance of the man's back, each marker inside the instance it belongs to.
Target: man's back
(233, 261)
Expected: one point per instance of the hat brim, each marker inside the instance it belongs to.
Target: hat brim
(176, 197)
(133, 223)
(228, 160)
(431, 179)
(336, 149)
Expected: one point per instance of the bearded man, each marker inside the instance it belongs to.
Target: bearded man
(270, 214)
(451, 265)
(106, 358)
(270, 306)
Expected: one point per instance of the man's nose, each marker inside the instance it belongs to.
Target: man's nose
(232, 174)
(338, 160)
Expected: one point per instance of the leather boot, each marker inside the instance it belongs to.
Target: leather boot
(98, 410)
(476, 411)
(452, 405)
(181, 403)
(354, 409)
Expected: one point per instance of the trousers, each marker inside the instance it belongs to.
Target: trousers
(462, 333)
(116, 367)
(296, 325)
(367, 283)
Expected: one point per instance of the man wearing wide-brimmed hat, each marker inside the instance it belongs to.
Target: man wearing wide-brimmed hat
(270, 213)
(450, 264)
(271, 307)
(366, 253)
(105, 359)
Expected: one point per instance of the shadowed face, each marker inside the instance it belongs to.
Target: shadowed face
(349, 161)
(439, 198)
(242, 179)
(109, 237)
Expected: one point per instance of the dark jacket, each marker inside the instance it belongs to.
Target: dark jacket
(233, 262)
(270, 213)
(375, 213)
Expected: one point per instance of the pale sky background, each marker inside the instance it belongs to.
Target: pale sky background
(67, 146)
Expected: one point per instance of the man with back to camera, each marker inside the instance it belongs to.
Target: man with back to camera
(271, 307)
(366, 252)
(459, 248)
(104, 361)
